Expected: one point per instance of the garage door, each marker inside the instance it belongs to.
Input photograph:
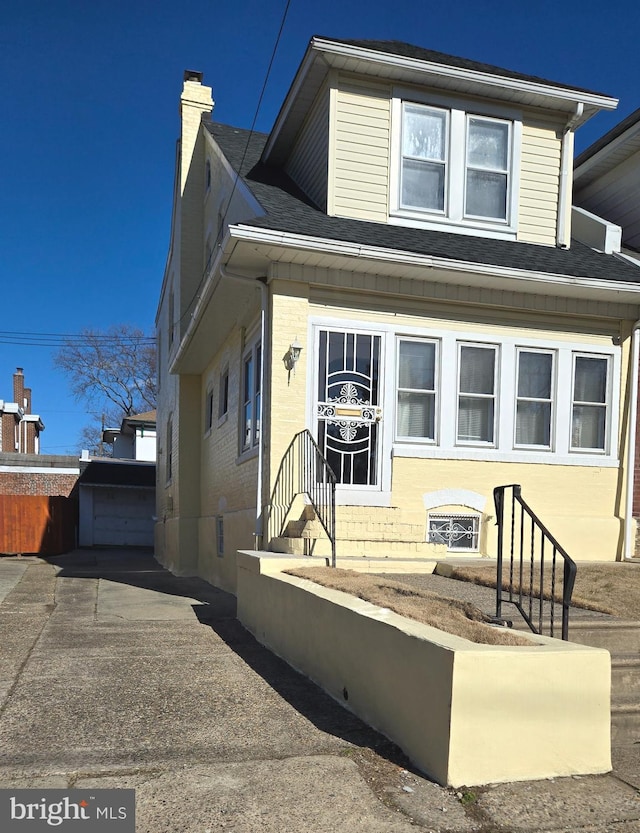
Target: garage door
(123, 517)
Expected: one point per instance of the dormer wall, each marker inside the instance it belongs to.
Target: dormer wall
(346, 158)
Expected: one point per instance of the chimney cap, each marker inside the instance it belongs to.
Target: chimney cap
(19, 370)
(193, 75)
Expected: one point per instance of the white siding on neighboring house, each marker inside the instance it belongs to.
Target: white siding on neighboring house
(539, 182)
(614, 196)
(360, 150)
(309, 160)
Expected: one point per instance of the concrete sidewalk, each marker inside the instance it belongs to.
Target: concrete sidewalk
(115, 673)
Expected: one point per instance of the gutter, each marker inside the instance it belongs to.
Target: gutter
(629, 542)
(566, 165)
(320, 245)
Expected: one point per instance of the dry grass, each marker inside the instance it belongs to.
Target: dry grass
(450, 615)
(609, 588)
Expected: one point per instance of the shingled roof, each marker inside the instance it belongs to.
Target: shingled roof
(407, 50)
(288, 210)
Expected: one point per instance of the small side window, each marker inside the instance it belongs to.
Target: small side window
(219, 536)
(208, 411)
(223, 394)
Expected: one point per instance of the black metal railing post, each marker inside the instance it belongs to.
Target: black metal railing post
(525, 597)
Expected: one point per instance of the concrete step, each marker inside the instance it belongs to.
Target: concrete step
(358, 548)
(625, 722)
(625, 677)
(617, 636)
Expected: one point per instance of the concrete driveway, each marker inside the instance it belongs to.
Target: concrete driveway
(115, 673)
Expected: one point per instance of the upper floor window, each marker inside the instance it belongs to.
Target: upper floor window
(454, 167)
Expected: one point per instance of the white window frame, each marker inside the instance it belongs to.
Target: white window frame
(454, 218)
(606, 405)
(169, 451)
(553, 391)
(223, 395)
(252, 352)
(436, 391)
(208, 410)
(495, 396)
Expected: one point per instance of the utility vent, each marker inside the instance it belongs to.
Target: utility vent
(458, 532)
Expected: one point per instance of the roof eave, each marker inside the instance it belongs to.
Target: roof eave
(330, 52)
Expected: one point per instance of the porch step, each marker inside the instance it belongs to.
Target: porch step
(625, 675)
(358, 548)
(618, 636)
(625, 721)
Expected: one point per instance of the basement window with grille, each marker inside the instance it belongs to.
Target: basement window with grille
(459, 532)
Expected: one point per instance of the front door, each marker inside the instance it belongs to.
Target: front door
(348, 405)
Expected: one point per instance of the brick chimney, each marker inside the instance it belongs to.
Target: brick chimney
(27, 400)
(196, 104)
(18, 387)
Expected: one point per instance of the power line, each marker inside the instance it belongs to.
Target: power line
(27, 339)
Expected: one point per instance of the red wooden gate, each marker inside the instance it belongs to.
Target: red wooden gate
(40, 524)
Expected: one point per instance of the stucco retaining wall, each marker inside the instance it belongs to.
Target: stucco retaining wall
(465, 714)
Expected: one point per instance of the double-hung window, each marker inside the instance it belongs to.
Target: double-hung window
(424, 158)
(477, 369)
(455, 166)
(417, 382)
(487, 168)
(589, 403)
(534, 398)
(251, 398)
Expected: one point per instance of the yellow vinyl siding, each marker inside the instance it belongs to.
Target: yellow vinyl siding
(360, 150)
(539, 182)
(308, 164)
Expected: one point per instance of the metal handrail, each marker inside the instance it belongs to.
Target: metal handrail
(526, 530)
(304, 470)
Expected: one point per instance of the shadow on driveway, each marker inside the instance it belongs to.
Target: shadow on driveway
(217, 610)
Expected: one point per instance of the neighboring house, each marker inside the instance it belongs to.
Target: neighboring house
(404, 231)
(20, 428)
(607, 183)
(135, 439)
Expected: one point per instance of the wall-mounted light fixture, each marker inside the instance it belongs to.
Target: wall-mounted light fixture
(292, 355)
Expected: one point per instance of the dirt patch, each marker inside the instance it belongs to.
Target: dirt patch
(609, 588)
(450, 615)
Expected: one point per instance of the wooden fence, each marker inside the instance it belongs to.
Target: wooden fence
(46, 525)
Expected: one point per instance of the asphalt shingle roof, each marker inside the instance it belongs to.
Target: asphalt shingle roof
(288, 210)
(407, 50)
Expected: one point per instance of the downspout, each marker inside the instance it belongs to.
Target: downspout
(264, 299)
(566, 164)
(629, 544)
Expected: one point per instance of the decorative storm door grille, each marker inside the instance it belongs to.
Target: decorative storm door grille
(349, 405)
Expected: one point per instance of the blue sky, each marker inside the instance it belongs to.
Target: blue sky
(89, 96)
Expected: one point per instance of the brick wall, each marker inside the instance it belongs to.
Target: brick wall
(38, 474)
(8, 433)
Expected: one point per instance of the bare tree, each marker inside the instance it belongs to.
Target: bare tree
(112, 371)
